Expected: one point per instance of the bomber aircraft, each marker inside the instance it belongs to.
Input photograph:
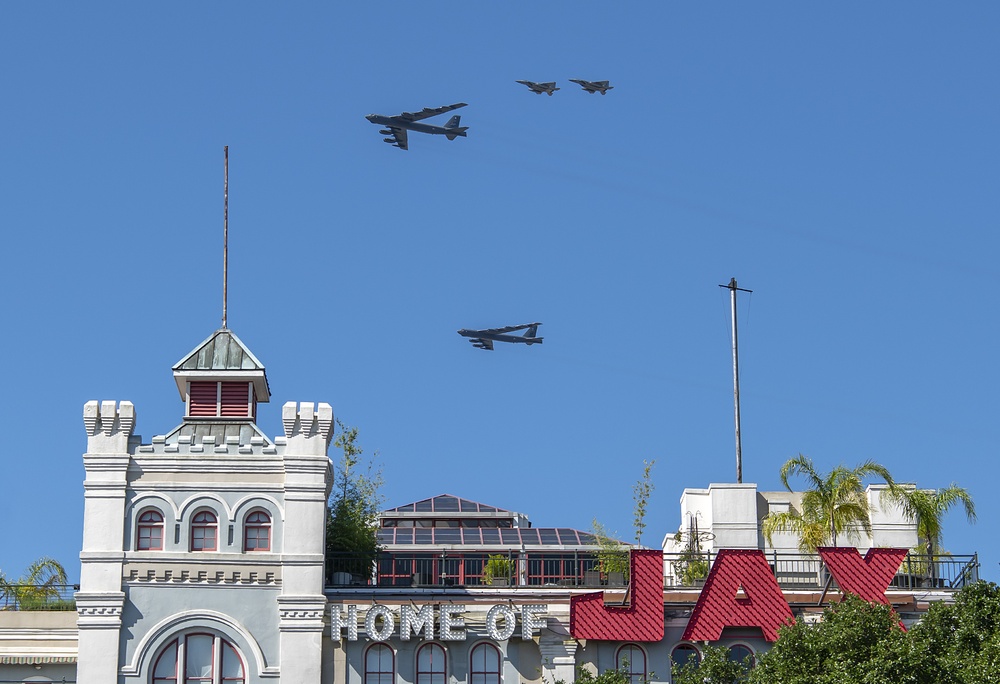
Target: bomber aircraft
(484, 339)
(398, 125)
(592, 87)
(539, 88)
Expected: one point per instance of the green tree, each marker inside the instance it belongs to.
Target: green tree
(927, 508)
(38, 588)
(619, 676)
(585, 676)
(715, 667)
(834, 504)
(352, 515)
(641, 492)
(850, 645)
(612, 555)
(958, 643)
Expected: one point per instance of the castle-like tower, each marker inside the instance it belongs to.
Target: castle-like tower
(203, 550)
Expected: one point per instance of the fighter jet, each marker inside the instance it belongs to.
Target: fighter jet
(539, 88)
(484, 339)
(592, 87)
(398, 125)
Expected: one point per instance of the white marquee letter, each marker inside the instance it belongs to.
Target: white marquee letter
(388, 624)
(412, 620)
(529, 620)
(501, 610)
(452, 624)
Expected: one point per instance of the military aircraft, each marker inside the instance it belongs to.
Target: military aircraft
(398, 125)
(484, 339)
(539, 88)
(592, 87)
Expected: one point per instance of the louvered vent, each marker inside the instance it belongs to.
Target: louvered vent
(204, 399)
(235, 399)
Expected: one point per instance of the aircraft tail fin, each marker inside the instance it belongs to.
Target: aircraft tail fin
(530, 334)
(453, 130)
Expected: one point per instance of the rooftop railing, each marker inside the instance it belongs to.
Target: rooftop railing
(38, 597)
(583, 569)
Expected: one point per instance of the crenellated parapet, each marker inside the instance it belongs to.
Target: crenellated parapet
(109, 426)
(308, 427)
(186, 445)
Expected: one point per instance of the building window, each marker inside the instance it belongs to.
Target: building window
(431, 664)
(204, 658)
(484, 664)
(631, 660)
(738, 653)
(204, 532)
(380, 665)
(257, 532)
(150, 533)
(684, 654)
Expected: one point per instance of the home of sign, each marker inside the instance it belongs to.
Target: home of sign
(418, 621)
(740, 591)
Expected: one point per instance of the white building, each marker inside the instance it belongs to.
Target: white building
(203, 561)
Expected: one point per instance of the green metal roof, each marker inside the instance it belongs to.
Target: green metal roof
(223, 350)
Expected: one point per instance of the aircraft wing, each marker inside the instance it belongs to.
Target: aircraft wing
(509, 328)
(482, 343)
(427, 112)
(400, 135)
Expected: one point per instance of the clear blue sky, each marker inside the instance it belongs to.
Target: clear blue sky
(838, 159)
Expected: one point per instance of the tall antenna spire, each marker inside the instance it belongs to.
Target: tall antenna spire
(225, 236)
(736, 378)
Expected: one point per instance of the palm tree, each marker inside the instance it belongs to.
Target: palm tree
(835, 504)
(38, 585)
(927, 507)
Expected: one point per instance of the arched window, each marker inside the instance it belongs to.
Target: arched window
(257, 532)
(431, 664)
(484, 664)
(738, 653)
(684, 654)
(632, 661)
(380, 665)
(149, 536)
(204, 532)
(205, 658)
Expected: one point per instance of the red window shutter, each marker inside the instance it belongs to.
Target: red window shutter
(235, 399)
(204, 399)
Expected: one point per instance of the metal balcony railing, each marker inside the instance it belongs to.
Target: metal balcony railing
(582, 569)
(527, 569)
(807, 571)
(38, 597)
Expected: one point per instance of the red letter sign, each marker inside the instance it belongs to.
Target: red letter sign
(589, 618)
(868, 577)
(721, 604)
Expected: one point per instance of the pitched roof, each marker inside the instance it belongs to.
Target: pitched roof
(490, 537)
(446, 503)
(222, 356)
(245, 431)
(223, 350)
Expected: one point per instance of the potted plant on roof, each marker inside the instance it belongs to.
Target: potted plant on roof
(496, 570)
(612, 555)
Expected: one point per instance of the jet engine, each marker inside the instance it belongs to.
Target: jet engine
(385, 131)
(389, 140)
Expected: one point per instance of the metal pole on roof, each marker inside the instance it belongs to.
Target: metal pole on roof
(225, 235)
(736, 377)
